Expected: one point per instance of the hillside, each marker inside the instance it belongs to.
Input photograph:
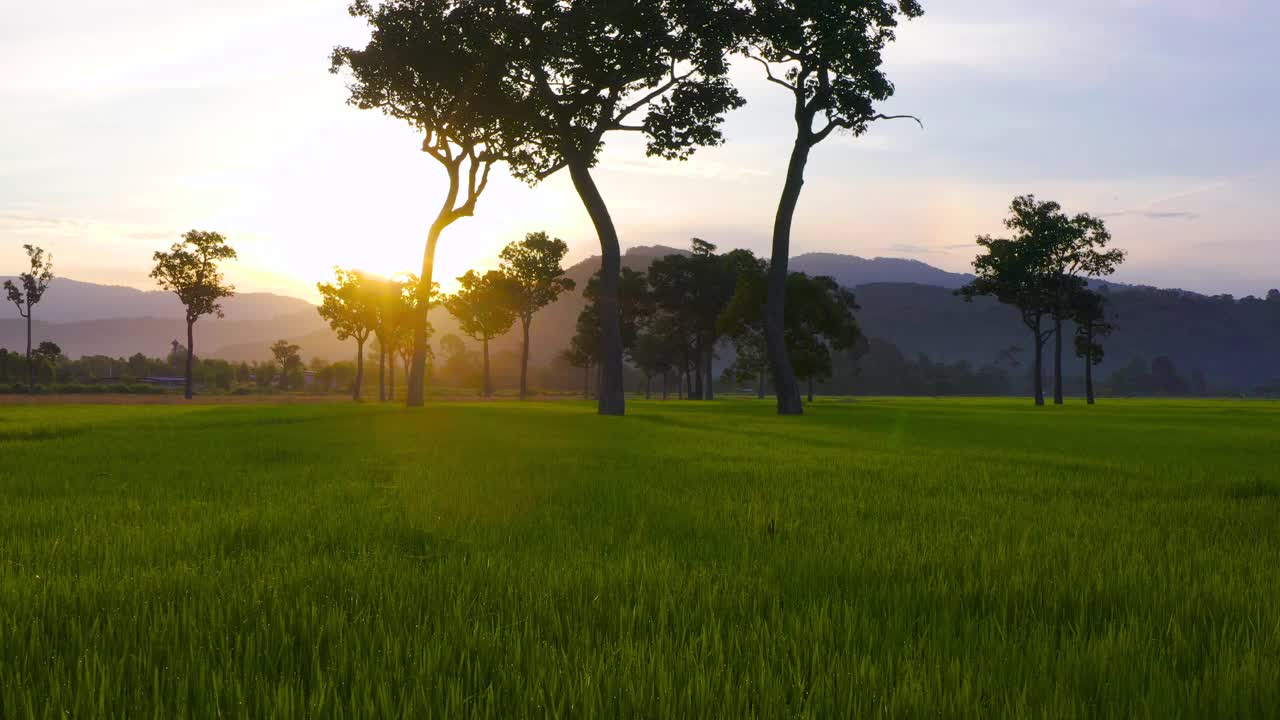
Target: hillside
(1234, 343)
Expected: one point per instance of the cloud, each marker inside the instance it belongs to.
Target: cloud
(1156, 214)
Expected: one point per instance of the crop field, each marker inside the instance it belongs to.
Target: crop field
(927, 558)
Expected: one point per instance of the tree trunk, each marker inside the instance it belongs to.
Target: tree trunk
(1088, 366)
(418, 372)
(611, 391)
(1038, 380)
(665, 377)
(382, 372)
(709, 393)
(524, 359)
(391, 375)
(356, 391)
(699, 392)
(487, 391)
(784, 377)
(188, 390)
(760, 384)
(1057, 360)
(31, 368)
(586, 382)
(810, 389)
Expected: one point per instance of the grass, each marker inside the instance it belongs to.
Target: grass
(936, 558)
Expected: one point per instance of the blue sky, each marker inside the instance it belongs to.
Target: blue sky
(127, 123)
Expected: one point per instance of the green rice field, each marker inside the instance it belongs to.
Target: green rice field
(927, 558)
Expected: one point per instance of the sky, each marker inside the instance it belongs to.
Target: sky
(126, 123)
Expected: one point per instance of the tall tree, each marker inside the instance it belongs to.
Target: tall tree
(533, 266)
(348, 306)
(190, 270)
(827, 54)
(33, 284)
(1013, 270)
(1078, 252)
(434, 65)
(1089, 311)
(585, 68)
(288, 356)
(482, 306)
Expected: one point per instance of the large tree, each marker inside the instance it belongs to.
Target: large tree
(434, 64)
(585, 68)
(191, 271)
(1012, 270)
(1089, 311)
(537, 279)
(820, 319)
(31, 287)
(348, 306)
(1078, 251)
(482, 305)
(827, 55)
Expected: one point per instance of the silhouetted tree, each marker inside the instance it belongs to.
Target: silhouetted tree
(1077, 251)
(585, 68)
(33, 284)
(482, 306)
(533, 266)
(190, 271)
(827, 55)
(820, 320)
(1089, 311)
(1018, 272)
(288, 358)
(348, 306)
(435, 65)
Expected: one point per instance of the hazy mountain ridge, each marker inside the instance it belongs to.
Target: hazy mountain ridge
(73, 301)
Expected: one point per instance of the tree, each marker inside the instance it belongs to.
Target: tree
(1078, 251)
(1089, 311)
(434, 65)
(33, 283)
(47, 355)
(348, 306)
(288, 357)
(584, 68)
(482, 306)
(533, 266)
(1018, 271)
(190, 271)
(820, 320)
(827, 54)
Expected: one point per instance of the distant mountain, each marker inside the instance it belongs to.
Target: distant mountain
(70, 301)
(852, 271)
(1235, 344)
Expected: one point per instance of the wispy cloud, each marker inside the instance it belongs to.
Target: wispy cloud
(1155, 214)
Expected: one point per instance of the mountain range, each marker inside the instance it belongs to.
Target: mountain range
(1235, 343)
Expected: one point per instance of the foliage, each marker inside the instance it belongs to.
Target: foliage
(349, 304)
(483, 304)
(534, 267)
(33, 283)
(828, 56)
(190, 270)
